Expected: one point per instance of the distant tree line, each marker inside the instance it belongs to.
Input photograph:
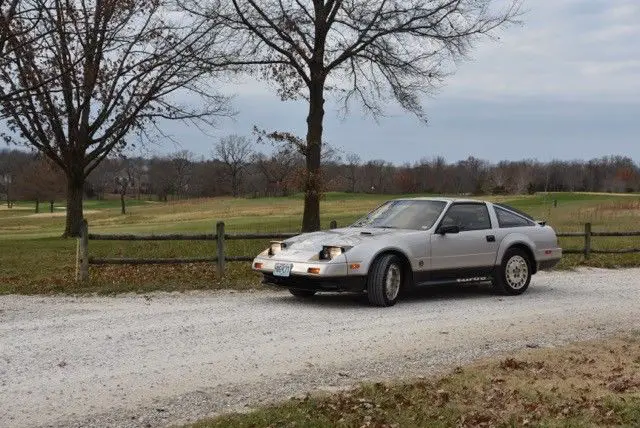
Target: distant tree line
(236, 168)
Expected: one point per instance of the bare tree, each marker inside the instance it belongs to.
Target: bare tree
(432, 174)
(122, 183)
(102, 178)
(14, 34)
(377, 174)
(77, 85)
(234, 152)
(365, 50)
(161, 178)
(278, 170)
(404, 180)
(353, 162)
(133, 170)
(12, 164)
(182, 168)
(40, 180)
(8, 10)
(208, 179)
(124, 180)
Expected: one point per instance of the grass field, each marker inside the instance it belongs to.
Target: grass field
(33, 259)
(582, 385)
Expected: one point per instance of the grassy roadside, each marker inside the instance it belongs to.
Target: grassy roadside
(581, 385)
(34, 260)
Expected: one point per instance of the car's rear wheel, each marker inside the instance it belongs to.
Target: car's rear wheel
(385, 281)
(513, 276)
(302, 294)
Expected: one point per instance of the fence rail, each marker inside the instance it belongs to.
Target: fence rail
(201, 237)
(83, 259)
(587, 234)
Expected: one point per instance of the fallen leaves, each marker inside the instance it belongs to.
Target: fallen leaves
(513, 364)
(624, 384)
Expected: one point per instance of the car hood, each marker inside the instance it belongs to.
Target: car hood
(307, 246)
(350, 237)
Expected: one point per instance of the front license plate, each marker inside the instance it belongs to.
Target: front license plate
(282, 269)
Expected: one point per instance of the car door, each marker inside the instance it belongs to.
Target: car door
(468, 253)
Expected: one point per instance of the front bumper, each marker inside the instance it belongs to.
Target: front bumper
(301, 268)
(316, 283)
(332, 276)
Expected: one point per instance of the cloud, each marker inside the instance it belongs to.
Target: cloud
(567, 50)
(573, 50)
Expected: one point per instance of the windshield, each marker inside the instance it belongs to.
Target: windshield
(403, 214)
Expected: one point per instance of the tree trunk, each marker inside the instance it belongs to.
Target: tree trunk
(312, 187)
(37, 206)
(234, 184)
(238, 182)
(122, 205)
(75, 187)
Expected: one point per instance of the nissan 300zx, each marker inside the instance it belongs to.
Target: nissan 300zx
(406, 243)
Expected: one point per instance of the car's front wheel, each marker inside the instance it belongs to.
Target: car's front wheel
(514, 274)
(385, 281)
(302, 294)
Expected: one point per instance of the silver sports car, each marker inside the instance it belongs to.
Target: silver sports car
(407, 243)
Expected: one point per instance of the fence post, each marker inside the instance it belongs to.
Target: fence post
(83, 252)
(333, 224)
(587, 240)
(220, 246)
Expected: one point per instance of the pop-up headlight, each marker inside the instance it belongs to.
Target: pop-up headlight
(276, 247)
(329, 253)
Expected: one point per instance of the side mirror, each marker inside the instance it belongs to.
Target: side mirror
(443, 230)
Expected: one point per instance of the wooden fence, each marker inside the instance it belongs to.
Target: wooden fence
(587, 249)
(83, 259)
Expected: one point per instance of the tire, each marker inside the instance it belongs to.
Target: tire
(511, 278)
(302, 294)
(385, 281)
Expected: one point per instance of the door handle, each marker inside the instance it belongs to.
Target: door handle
(491, 238)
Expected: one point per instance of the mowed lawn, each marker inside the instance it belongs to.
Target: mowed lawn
(34, 259)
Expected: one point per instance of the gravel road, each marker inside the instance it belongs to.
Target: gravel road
(172, 358)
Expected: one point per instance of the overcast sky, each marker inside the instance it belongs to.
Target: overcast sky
(565, 85)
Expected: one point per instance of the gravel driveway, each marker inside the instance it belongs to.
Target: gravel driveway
(171, 358)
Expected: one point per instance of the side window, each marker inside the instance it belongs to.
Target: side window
(509, 219)
(468, 217)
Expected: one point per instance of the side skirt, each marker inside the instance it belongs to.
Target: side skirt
(454, 276)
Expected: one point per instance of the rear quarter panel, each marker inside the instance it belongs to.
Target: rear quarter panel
(540, 239)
